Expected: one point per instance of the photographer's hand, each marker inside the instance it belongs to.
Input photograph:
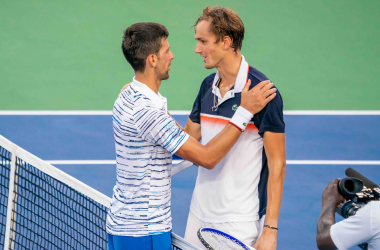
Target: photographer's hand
(331, 195)
(330, 200)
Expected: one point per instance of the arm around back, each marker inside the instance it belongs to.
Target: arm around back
(209, 155)
(252, 101)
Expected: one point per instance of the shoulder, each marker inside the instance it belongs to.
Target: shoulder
(208, 81)
(375, 210)
(256, 76)
(133, 100)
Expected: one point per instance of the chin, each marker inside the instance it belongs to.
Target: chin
(165, 77)
(209, 66)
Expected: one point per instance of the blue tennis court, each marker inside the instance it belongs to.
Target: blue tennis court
(319, 149)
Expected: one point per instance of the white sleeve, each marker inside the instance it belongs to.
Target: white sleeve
(159, 128)
(354, 230)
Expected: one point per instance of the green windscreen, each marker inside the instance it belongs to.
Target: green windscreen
(66, 55)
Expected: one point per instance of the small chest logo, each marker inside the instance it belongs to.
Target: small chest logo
(234, 108)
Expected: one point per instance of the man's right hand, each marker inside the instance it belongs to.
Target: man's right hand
(258, 97)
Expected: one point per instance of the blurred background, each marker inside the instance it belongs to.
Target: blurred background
(66, 55)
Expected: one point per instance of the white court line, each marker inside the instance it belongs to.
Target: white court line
(183, 112)
(89, 162)
(328, 162)
(289, 162)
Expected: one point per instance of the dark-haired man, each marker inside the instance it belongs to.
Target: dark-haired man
(139, 216)
(247, 184)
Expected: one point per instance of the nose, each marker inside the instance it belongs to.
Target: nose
(172, 56)
(197, 50)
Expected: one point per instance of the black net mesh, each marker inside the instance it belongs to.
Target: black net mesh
(5, 162)
(49, 214)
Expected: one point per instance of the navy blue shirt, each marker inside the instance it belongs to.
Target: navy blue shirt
(270, 118)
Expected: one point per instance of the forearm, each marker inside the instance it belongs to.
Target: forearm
(211, 154)
(274, 144)
(325, 221)
(274, 191)
(193, 129)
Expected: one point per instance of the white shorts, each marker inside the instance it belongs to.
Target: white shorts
(247, 232)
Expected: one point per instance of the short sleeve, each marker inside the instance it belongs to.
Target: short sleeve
(195, 115)
(353, 230)
(159, 128)
(271, 118)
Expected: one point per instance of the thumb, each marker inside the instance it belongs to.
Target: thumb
(247, 85)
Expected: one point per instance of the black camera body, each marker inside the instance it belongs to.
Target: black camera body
(358, 191)
(356, 195)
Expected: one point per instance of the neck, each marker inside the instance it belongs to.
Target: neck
(229, 67)
(149, 79)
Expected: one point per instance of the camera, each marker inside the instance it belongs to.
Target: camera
(357, 190)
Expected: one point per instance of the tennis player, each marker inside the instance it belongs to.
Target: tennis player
(247, 183)
(139, 216)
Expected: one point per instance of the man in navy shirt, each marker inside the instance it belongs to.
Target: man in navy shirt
(246, 186)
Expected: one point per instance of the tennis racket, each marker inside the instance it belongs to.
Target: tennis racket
(180, 167)
(214, 239)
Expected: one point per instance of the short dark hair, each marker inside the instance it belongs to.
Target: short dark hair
(224, 22)
(141, 40)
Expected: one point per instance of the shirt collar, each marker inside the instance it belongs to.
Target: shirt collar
(241, 78)
(157, 99)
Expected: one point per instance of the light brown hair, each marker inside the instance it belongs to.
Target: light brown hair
(224, 22)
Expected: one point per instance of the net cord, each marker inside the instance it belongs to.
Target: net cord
(13, 149)
(52, 171)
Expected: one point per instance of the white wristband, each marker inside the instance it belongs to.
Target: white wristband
(241, 118)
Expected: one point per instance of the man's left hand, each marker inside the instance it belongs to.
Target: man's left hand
(125, 86)
(331, 194)
(267, 241)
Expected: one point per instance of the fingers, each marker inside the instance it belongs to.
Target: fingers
(262, 84)
(247, 85)
(270, 98)
(269, 92)
(268, 86)
(336, 181)
(125, 86)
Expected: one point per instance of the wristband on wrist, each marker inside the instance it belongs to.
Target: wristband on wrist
(241, 118)
(271, 227)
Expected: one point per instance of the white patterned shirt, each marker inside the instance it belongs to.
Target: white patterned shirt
(145, 139)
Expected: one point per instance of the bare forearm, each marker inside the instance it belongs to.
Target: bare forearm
(211, 154)
(274, 192)
(325, 221)
(193, 129)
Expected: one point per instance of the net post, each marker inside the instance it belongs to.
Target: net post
(12, 174)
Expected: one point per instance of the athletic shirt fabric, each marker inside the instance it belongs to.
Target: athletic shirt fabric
(145, 139)
(364, 227)
(236, 189)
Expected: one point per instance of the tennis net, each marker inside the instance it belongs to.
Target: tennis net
(42, 207)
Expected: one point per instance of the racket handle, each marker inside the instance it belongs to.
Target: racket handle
(181, 166)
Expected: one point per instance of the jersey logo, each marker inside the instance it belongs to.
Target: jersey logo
(234, 108)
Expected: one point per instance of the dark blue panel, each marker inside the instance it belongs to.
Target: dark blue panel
(62, 137)
(332, 137)
(91, 137)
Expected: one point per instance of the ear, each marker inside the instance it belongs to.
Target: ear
(151, 60)
(227, 42)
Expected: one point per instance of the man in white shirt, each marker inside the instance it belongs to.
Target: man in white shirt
(363, 227)
(146, 136)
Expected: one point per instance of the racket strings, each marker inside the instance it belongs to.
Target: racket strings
(221, 242)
